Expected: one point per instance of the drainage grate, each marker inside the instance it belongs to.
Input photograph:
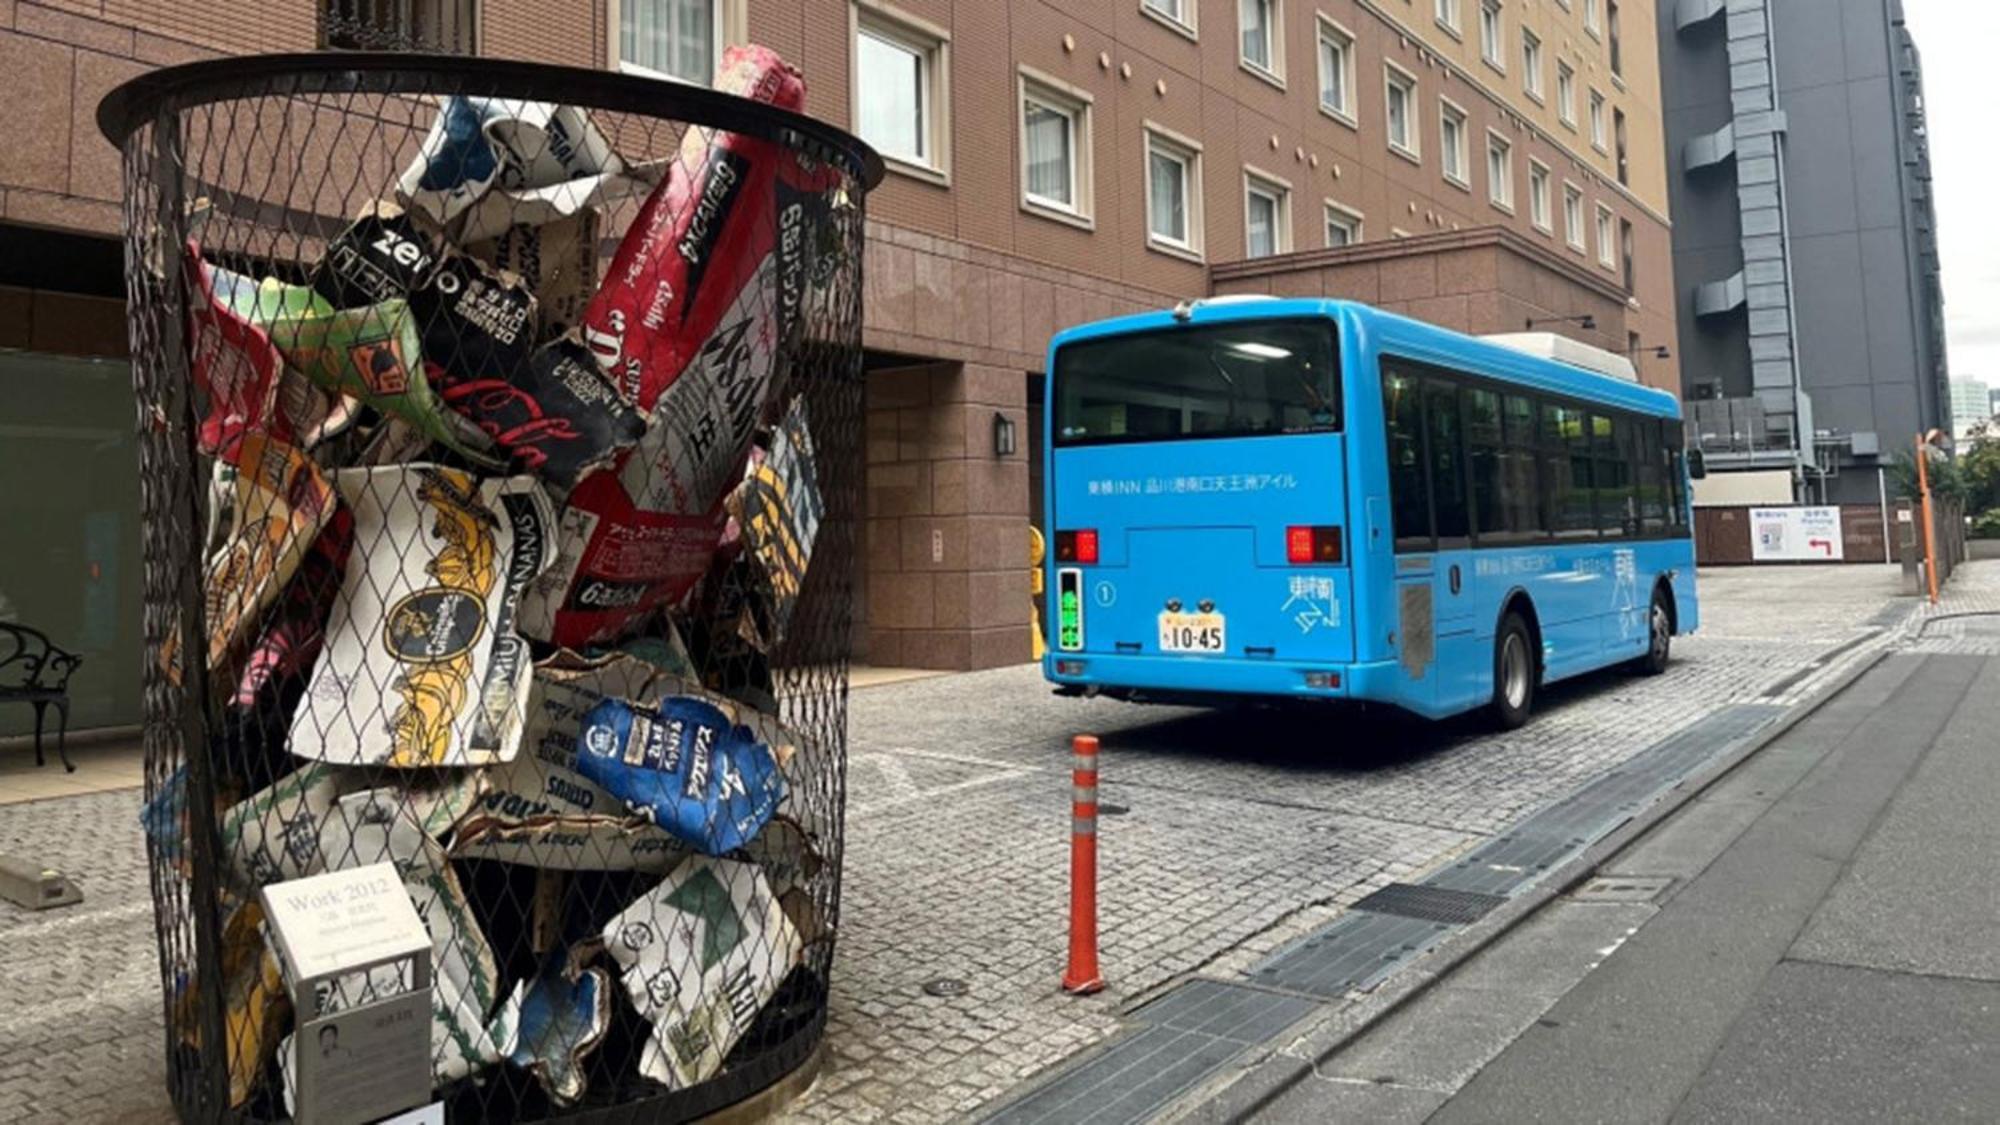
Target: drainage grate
(1184, 1037)
(1430, 903)
(1356, 950)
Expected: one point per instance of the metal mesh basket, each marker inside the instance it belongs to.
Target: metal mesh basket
(501, 448)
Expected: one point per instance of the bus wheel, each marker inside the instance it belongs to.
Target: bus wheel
(1659, 637)
(1513, 673)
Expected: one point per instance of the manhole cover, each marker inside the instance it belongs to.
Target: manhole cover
(945, 986)
(1622, 888)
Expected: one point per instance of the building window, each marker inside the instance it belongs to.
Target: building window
(677, 39)
(1590, 16)
(1343, 227)
(1618, 136)
(1266, 216)
(1566, 93)
(1597, 120)
(1336, 71)
(443, 26)
(1055, 149)
(1627, 254)
(898, 84)
(1531, 64)
(1453, 151)
(1491, 37)
(1607, 232)
(1448, 15)
(1401, 102)
(1259, 20)
(1180, 13)
(1540, 207)
(1573, 216)
(1500, 171)
(1173, 193)
(1611, 26)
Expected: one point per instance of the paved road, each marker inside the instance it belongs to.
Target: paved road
(1244, 830)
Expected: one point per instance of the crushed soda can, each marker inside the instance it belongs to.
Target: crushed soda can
(422, 665)
(777, 511)
(699, 956)
(375, 826)
(686, 765)
(255, 1005)
(245, 380)
(556, 415)
(556, 261)
(274, 834)
(559, 1016)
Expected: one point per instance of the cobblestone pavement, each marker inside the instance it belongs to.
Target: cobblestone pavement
(1242, 830)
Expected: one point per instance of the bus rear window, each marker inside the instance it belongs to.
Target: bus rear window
(1241, 379)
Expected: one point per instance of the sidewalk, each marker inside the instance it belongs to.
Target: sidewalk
(1812, 939)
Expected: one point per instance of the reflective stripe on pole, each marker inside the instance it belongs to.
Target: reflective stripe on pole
(1081, 977)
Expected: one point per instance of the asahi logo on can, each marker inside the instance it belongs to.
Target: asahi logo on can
(434, 625)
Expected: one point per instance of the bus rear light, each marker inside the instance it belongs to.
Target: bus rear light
(1069, 667)
(1077, 546)
(1305, 545)
(1322, 679)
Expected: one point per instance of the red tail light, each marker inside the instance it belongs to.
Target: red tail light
(1077, 546)
(1307, 545)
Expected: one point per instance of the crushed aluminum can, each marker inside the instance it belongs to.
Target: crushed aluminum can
(556, 261)
(559, 1017)
(244, 378)
(492, 163)
(686, 765)
(274, 835)
(373, 826)
(556, 415)
(688, 323)
(255, 1005)
(777, 510)
(421, 665)
(699, 956)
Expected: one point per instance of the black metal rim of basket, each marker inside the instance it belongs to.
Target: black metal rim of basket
(138, 101)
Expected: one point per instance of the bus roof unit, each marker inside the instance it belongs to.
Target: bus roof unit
(1562, 349)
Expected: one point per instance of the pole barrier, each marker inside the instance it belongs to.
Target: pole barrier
(1081, 977)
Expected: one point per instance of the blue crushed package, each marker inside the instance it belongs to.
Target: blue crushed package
(687, 764)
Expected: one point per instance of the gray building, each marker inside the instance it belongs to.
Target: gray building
(1811, 323)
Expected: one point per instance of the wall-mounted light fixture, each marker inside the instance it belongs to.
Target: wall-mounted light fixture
(1659, 352)
(1584, 321)
(1003, 435)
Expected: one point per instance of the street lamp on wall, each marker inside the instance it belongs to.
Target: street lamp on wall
(1003, 435)
(1585, 321)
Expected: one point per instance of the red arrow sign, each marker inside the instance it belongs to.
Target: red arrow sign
(1825, 545)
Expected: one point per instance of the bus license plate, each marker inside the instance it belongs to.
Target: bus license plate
(1191, 632)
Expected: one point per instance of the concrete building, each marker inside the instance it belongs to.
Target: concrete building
(1971, 405)
(1478, 163)
(1805, 247)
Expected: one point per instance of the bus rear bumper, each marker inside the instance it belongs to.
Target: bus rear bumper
(1192, 678)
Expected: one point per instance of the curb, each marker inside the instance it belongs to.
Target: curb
(1316, 1038)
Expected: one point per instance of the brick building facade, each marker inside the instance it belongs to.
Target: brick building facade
(1471, 149)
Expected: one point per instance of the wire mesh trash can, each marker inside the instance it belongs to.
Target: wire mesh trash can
(500, 440)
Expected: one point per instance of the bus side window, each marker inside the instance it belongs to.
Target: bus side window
(1528, 517)
(1409, 485)
(1617, 517)
(1673, 438)
(1652, 478)
(1570, 490)
(1485, 448)
(1447, 453)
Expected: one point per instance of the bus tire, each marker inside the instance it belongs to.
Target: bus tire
(1659, 636)
(1515, 676)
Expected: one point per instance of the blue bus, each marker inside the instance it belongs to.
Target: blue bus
(1254, 498)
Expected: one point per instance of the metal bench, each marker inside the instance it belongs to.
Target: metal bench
(33, 670)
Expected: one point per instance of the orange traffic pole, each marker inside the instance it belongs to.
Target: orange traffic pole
(1930, 532)
(1081, 978)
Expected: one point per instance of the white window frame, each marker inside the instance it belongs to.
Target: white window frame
(1412, 148)
(1574, 217)
(1607, 237)
(1450, 15)
(1264, 183)
(933, 44)
(1275, 47)
(728, 19)
(1187, 23)
(1597, 125)
(1541, 211)
(1053, 93)
(1187, 151)
(1592, 18)
(1493, 35)
(1500, 189)
(1566, 94)
(1331, 32)
(1449, 110)
(1338, 215)
(1531, 63)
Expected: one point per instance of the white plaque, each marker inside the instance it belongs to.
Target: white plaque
(343, 921)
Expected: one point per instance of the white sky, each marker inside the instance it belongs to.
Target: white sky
(1957, 38)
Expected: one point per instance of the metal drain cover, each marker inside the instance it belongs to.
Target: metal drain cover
(946, 986)
(1622, 888)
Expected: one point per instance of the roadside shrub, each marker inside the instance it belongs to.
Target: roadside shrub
(1986, 525)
